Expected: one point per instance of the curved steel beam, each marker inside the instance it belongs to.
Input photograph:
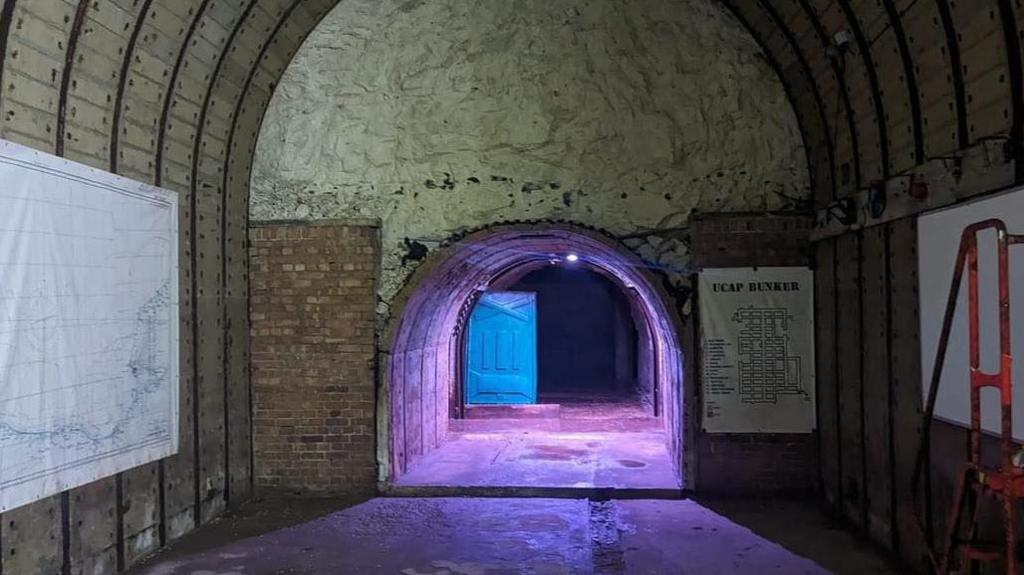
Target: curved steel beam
(122, 83)
(158, 180)
(6, 17)
(65, 77)
(806, 68)
(285, 16)
(193, 252)
(115, 134)
(248, 83)
(869, 66)
(844, 92)
(956, 70)
(777, 68)
(896, 21)
(1013, 62)
(165, 109)
(62, 111)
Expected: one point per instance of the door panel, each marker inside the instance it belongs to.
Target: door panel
(501, 359)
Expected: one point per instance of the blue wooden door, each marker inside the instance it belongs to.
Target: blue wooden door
(501, 354)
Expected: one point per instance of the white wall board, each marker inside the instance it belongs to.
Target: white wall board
(757, 349)
(938, 241)
(88, 324)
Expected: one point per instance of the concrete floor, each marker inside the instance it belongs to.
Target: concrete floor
(472, 536)
(600, 459)
(588, 447)
(566, 441)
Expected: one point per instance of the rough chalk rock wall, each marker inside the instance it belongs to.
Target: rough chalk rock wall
(436, 117)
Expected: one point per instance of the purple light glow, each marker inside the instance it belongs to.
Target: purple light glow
(423, 339)
(572, 258)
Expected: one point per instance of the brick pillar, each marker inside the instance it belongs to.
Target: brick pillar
(312, 306)
(752, 463)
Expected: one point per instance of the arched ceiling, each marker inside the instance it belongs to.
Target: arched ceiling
(172, 91)
(917, 80)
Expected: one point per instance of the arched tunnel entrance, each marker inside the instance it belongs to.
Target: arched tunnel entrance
(618, 425)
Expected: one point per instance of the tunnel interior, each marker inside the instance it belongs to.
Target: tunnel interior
(609, 386)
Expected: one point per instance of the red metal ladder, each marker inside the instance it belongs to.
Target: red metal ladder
(1004, 481)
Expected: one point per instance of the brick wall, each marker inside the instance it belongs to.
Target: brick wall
(738, 463)
(313, 298)
(744, 240)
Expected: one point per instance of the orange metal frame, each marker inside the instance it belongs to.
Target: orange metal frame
(1005, 481)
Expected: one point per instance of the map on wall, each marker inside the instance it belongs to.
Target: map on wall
(757, 350)
(88, 324)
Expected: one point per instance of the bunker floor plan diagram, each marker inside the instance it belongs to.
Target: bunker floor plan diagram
(766, 370)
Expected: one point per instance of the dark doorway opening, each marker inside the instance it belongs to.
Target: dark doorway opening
(595, 351)
(607, 412)
(586, 337)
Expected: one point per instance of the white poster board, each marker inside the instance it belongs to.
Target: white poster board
(88, 324)
(757, 350)
(938, 236)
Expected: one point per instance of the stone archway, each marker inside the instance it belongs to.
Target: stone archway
(420, 355)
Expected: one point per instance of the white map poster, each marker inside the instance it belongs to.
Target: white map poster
(757, 350)
(88, 324)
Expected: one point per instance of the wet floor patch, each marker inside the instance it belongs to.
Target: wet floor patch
(605, 539)
(631, 463)
(546, 459)
(554, 453)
